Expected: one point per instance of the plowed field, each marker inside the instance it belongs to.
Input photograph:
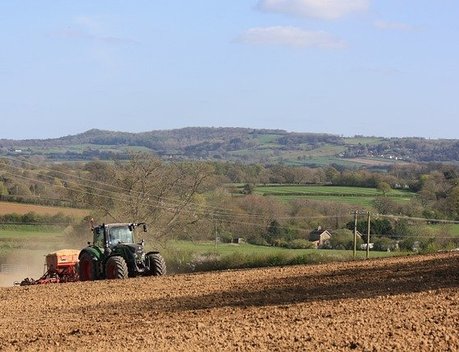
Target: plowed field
(395, 304)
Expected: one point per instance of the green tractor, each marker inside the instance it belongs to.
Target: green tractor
(115, 255)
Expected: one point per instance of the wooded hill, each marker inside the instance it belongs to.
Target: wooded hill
(239, 144)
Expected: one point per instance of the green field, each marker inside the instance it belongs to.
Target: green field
(225, 249)
(185, 256)
(181, 256)
(29, 232)
(35, 239)
(358, 196)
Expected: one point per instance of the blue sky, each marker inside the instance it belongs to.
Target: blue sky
(346, 67)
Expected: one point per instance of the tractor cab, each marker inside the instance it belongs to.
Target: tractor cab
(120, 234)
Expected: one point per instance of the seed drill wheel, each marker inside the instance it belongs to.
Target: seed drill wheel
(157, 264)
(87, 268)
(116, 268)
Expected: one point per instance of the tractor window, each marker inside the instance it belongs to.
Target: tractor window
(120, 234)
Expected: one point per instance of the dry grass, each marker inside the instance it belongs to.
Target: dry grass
(19, 208)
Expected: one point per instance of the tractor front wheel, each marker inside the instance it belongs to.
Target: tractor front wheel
(87, 268)
(156, 264)
(116, 268)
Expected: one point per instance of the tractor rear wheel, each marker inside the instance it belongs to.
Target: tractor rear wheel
(156, 264)
(116, 268)
(87, 268)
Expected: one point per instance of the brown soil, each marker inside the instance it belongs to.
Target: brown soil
(395, 304)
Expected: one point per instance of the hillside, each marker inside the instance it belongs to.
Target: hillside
(238, 144)
(396, 304)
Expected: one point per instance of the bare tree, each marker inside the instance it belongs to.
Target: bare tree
(165, 195)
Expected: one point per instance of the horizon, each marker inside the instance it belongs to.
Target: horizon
(344, 67)
(227, 127)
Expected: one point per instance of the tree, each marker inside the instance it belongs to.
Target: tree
(453, 202)
(384, 188)
(3, 189)
(343, 239)
(273, 232)
(248, 188)
(148, 190)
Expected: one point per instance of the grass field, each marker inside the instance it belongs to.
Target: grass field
(358, 196)
(225, 249)
(184, 256)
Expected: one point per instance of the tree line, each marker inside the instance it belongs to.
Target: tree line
(196, 200)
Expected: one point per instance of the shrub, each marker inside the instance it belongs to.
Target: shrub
(343, 239)
(299, 244)
(384, 244)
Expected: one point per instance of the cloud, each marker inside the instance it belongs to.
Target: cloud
(290, 36)
(393, 26)
(322, 9)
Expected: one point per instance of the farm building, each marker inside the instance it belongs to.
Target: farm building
(319, 237)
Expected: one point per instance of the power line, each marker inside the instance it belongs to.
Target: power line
(168, 204)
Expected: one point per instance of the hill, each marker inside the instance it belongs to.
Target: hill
(396, 304)
(239, 144)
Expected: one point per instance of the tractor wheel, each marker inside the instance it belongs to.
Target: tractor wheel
(116, 268)
(87, 268)
(157, 264)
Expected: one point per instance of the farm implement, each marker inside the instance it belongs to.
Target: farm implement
(60, 266)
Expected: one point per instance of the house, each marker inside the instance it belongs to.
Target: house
(319, 237)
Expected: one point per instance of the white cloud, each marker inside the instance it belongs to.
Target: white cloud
(322, 9)
(395, 26)
(291, 36)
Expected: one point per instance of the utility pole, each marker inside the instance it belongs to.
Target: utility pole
(215, 230)
(368, 236)
(356, 212)
(354, 253)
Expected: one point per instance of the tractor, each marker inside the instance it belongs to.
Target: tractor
(114, 254)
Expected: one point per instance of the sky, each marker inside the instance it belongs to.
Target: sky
(387, 68)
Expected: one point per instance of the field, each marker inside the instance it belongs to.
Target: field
(20, 208)
(392, 304)
(358, 196)
(224, 249)
(27, 246)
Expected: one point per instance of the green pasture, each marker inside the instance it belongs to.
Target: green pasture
(329, 191)
(24, 232)
(182, 256)
(320, 160)
(360, 202)
(227, 249)
(35, 239)
(357, 196)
